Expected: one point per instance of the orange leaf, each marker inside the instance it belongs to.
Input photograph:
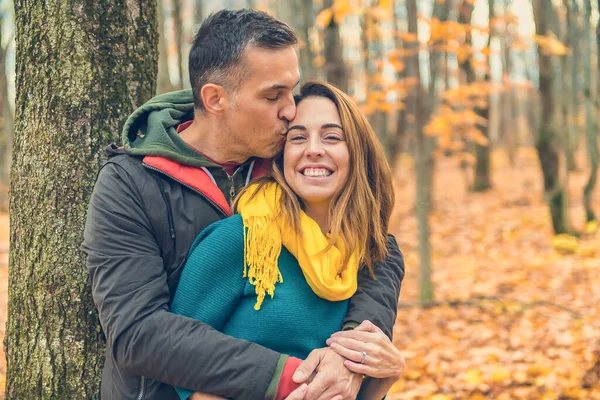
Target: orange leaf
(323, 19)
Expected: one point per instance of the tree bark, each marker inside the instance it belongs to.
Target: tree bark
(335, 67)
(6, 128)
(81, 67)
(547, 148)
(416, 106)
(591, 115)
(482, 180)
(199, 14)
(306, 19)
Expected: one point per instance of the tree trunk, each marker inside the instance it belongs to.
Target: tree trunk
(547, 149)
(423, 161)
(482, 180)
(199, 14)
(164, 79)
(6, 127)
(335, 67)
(178, 25)
(306, 20)
(591, 115)
(81, 67)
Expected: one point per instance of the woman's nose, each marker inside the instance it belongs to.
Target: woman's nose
(314, 147)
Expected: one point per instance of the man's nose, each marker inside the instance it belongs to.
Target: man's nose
(288, 112)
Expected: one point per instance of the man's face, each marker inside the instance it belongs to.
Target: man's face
(262, 106)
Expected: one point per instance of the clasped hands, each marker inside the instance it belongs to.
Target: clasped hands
(366, 350)
(336, 372)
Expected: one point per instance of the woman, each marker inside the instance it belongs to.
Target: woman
(300, 237)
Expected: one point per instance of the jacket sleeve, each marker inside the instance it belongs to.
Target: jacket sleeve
(130, 291)
(376, 300)
(211, 283)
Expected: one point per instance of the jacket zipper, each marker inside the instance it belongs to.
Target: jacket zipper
(231, 188)
(142, 388)
(189, 187)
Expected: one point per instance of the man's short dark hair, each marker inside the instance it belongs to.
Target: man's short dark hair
(217, 52)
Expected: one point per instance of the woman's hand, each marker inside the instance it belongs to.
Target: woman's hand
(204, 396)
(368, 351)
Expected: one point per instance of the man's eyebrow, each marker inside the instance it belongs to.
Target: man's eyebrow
(280, 86)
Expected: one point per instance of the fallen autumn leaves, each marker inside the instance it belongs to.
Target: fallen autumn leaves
(515, 319)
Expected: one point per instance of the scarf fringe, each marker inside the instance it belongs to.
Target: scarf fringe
(260, 266)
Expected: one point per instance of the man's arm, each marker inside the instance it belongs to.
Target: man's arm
(377, 300)
(129, 287)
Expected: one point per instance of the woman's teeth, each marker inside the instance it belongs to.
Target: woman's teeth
(316, 172)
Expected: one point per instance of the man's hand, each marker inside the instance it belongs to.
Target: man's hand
(331, 380)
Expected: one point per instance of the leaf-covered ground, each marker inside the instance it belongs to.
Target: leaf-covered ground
(515, 318)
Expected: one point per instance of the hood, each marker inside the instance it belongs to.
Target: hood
(151, 130)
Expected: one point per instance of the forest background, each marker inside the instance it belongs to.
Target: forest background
(488, 110)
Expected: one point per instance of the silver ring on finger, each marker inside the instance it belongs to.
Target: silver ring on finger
(364, 357)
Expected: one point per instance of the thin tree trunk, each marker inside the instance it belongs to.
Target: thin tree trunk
(591, 115)
(482, 180)
(178, 25)
(547, 149)
(423, 162)
(164, 79)
(335, 68)
(306, 19)
(199, 13)
(6, 128)
(81, 67)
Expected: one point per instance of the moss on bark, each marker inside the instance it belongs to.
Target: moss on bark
(81, 67)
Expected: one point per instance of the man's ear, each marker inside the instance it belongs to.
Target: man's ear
(213, 97)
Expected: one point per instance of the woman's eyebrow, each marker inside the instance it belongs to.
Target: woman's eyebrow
(300, 127)
(331, 125)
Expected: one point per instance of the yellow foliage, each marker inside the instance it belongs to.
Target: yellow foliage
(591, 227)
(319, 61)
(473, 377)
(551, 45)
(323, 19)
(380, 14)
(500, 374)
(565, 243)
(407, 36)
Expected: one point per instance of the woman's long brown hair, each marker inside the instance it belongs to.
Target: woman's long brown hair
(360, 212)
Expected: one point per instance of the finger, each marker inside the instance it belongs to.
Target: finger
(359, 368)
(352, 344)
(367, 326)
(298, 393)
(348, 354)
(367, 337)
(316, 388)
(306, 367)
(338, 397)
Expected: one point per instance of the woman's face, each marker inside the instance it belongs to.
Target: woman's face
(316, 157)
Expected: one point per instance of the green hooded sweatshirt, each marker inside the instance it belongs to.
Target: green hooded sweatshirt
(151, 130)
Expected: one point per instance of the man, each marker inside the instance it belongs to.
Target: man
(185, 157)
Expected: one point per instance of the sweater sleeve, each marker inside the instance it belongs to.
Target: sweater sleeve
(211, 283)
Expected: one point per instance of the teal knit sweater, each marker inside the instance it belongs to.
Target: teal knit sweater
(294, 322)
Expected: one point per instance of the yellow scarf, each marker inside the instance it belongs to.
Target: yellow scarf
(266, 230)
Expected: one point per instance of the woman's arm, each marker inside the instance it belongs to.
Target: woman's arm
(370, 352)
